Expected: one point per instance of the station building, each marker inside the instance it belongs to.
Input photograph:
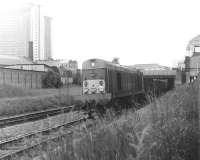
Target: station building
(192, 61)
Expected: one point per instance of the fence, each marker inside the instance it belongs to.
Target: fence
(21, 78)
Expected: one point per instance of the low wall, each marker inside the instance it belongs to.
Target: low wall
(21, 78)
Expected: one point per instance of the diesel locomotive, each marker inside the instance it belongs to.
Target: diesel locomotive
(101, 77)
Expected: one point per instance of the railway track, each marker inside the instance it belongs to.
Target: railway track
(16, 146)
(8, 121)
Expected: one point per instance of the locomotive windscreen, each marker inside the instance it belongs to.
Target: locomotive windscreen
(90, 74)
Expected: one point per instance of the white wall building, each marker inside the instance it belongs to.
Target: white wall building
(15, 32)
(26, 32)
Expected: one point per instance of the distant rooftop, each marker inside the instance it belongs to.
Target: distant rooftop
(12, 60)
(193, 42)
(153, 66)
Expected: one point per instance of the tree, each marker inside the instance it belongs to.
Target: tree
(115, 60)
(51, 80)
(55, 69)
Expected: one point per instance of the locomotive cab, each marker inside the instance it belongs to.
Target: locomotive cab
(93, 78)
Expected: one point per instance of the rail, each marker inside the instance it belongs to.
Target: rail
(33, 116)
(15, 146)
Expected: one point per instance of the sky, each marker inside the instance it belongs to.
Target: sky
(135, 31)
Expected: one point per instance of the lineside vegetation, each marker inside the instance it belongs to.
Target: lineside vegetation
(167, 129)
(15, 100)
(20, 105)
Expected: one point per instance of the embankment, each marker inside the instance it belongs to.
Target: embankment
(167, 129)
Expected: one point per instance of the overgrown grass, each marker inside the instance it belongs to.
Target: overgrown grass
(8, 91)
(12, 91)
(167, 129)
(22, 105)
(15, 100)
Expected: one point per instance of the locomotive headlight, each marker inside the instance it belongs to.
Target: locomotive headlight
(92, 64)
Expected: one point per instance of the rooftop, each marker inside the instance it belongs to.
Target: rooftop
(12, 60)
(153, 66)
(193, 42)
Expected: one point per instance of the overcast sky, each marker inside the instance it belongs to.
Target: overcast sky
(136, 31)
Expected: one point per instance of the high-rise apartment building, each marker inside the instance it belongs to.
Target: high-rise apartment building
(15, 33)
(47, 38)
(26, 32)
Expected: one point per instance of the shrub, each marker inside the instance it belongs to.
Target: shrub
(51, 80)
